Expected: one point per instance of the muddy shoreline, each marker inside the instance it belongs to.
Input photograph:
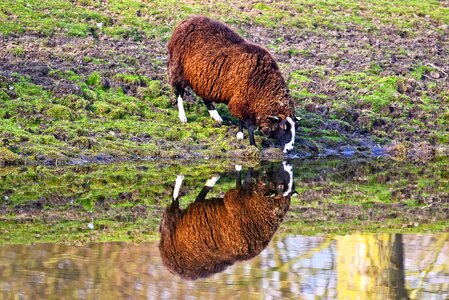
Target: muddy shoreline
(395, 151)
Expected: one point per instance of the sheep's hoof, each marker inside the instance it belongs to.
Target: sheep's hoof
(253, 151)
(214, 114)
(217, 124)
(240, 135)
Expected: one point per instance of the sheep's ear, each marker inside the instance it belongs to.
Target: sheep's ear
(270, 194)
(283, 125)
(274, 118)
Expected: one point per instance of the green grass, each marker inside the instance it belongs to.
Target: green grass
(41, 123)
(380, 91)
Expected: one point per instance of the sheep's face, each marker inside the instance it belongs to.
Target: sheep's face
(283, 130)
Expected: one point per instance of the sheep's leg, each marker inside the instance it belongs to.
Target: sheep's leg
(206, 188)
(179, 92)
(178, 184)
(248, 178)
(250, 127)
(240, 133)
(238, 184)
(213, 111)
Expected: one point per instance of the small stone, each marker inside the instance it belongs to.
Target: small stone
(435, 74)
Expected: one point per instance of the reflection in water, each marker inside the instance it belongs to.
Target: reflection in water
(355, 266)
(212, 234)
(371, 264)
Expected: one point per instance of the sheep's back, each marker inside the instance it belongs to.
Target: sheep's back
(216, 62)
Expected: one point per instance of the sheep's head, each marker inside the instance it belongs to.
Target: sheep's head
(282, 129)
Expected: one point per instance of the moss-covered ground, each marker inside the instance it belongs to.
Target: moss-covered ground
(124, 202)
(86, 81)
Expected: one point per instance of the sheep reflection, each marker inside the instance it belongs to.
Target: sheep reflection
(211, 234)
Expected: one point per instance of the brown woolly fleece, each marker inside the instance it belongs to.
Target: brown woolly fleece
(220, 66)
(210, 235)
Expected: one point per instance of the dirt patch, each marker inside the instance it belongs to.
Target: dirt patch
(45, 58)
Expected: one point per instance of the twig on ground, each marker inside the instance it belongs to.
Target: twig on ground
(439, 69)
(427, 206)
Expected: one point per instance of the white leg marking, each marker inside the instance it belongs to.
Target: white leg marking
(238, 168)
(289, 169)
(214, 114)
(182, 113)
(211, 182)
(178, 183)
(289, 146)
(240, 135)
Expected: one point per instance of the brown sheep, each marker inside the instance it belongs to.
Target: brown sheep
(220, 66)
(211, 234)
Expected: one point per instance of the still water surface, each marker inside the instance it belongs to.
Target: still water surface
(358, 266)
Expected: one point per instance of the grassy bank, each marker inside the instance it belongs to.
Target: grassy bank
(87, 82)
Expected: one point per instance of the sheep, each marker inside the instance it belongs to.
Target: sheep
(212, 234)
(220, 66)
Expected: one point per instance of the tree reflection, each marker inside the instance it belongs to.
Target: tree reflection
(211, 234)
(370, 265)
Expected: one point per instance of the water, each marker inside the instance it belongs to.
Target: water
(358, 266)
(273, 231)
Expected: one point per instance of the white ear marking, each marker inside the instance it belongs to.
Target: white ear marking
(214, 114)
(182, 113)
(289, 145)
